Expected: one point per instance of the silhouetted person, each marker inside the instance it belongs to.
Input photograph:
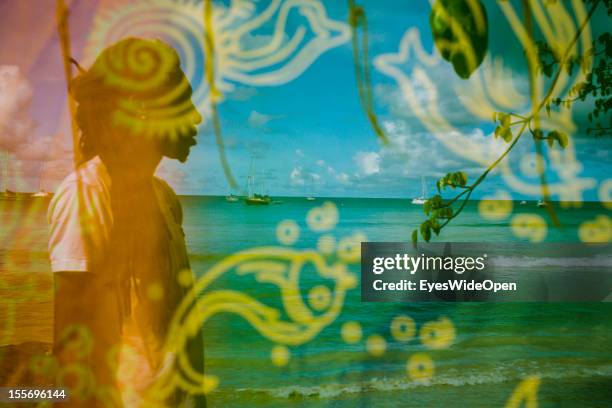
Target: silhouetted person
(117, 246)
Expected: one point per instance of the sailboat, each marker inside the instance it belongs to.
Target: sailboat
(231, 198)
(252, 197)
(420, 200)
(7, 195)
(10, 195)
(310, 197)
(40, 194)
(14, 195)
(542, 203)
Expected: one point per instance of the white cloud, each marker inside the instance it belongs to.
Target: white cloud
(300, 177)
(15, 97)
(343, 178)
(242, 93)
(296, 176)
(368, 162)
(173, 172)
(29, 157)
(411, 154)
(44, 149)
(299, 152)
(259, 120)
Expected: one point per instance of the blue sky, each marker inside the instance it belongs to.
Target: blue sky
(310, 135)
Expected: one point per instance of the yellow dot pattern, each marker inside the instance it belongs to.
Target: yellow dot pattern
(420, 367)
(155, 291)
(438, 334)
(403, 328)
(597, 230)
(497, 207)
(280, 356)
(349, 248)
(326, 244)
(530, 226)
(319, 297)
(287, 232)
(605, 193)
(351, 332)
(323, 218)
(376, 345)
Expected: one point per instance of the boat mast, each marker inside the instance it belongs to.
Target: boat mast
(5, 171)
(262, 184)
(250, 180)
(40, 176)
(423, 187)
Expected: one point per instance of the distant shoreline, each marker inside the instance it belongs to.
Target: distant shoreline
(528, 201)
(27, 196)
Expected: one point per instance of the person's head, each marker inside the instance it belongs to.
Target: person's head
(134, 105)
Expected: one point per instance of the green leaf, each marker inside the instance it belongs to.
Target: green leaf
(498, 130)
(454, 181)
(460, 31)
(463, 178)
(435, 226)
(446, 212)
(560, 137)
(563, 139)
(426, 233)
(427, 207)
(415, 237)
(538, 134)
(507, 135)
(426, 230)
(550, 139)
(504, 119)
(436, 201)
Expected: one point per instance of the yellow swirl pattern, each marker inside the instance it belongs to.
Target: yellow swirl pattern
(152, 95)
(283, 58)
(493, 88)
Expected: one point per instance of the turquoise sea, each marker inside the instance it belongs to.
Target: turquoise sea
(567, 346)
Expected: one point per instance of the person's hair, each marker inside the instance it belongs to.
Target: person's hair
(136, 86)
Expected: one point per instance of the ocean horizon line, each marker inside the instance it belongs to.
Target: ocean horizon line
(385, 198)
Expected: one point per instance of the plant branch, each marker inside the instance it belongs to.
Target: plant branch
(526, 122)
(564, 58)
(535, 114)
(480, 179)
(357, 18)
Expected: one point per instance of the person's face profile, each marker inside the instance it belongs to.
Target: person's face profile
(183, 138)
(139, 88)
(178, 147)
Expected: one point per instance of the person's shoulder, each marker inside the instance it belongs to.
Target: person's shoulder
(80, 219)
(166, 190)
(89, 181)
(91, 174)
(170, 198)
